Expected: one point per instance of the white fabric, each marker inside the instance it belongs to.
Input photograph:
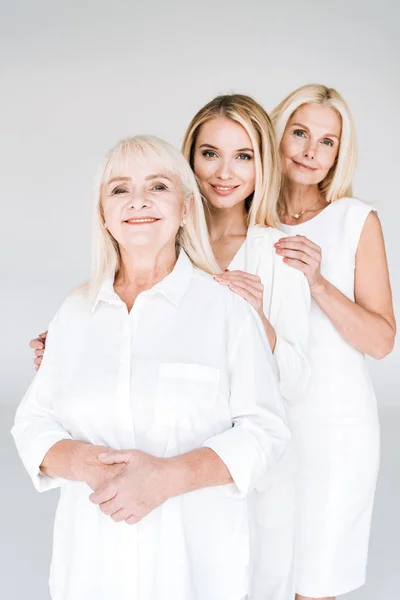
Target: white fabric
(335, 427)
(287, 306)
(189, 366)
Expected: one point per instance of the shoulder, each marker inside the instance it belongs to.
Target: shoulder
(267, 235)
(356, 214)
(352, 209)
(205, 286)
(75, 306)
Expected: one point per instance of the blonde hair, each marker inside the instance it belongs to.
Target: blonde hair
(192, 238)
(338, 182)
(262, 206)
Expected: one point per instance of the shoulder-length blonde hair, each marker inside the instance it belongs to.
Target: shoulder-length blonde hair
(192, 238)
(338, 182)
(262, 206)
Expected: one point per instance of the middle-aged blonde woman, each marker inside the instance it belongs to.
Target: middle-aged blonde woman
(158, 392)
(337, 241)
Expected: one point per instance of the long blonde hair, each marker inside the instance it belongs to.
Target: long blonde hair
(338, 182)
(192, 238)
(262, 206)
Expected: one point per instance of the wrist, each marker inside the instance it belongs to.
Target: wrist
(84, 459)
(319, 288)
(176, 475)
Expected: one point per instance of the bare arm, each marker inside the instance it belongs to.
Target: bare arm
(368, 324)
(78, 461)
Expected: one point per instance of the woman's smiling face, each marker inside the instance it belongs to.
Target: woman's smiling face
(310, 144)
(143, 204)
(223, 162)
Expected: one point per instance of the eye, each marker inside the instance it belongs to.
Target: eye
(209, 154)
(299, 133)
(159, 187)
(327, 142)
(119, 190)
(245, 156)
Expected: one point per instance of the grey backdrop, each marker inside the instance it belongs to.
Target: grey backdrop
(77, 76)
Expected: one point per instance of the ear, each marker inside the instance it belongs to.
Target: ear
(186, 207)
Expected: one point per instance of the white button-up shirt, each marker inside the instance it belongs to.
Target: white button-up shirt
(189, 366)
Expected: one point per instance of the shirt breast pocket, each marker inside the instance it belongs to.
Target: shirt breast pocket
(186, 392)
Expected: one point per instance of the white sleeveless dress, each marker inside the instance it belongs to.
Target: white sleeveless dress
(335, 427)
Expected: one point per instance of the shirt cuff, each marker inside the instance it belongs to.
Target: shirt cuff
(240, 452)
(34, 456)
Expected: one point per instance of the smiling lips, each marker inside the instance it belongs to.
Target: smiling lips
(224, 190)
(303, 166)
(140, 220)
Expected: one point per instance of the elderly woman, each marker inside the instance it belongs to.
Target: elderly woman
(156, 404)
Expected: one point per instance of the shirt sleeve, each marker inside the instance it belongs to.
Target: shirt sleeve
(36, 427)
(291, 321)
(259, 431)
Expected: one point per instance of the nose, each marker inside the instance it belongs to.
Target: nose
(224, 170)
(139, 199)
(310, 150)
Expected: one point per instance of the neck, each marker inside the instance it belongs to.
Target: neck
(297, 197)
(141, 270)
(222, 222)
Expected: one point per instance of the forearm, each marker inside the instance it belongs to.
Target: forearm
(368, 332)
(70, 459)
(194, 470)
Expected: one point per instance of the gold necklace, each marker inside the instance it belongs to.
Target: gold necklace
(301, 213)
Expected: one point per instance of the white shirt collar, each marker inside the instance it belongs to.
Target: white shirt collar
(173, 286)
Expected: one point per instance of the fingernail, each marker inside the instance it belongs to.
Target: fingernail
(102, 455)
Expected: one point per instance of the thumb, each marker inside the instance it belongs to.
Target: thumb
(114, 457)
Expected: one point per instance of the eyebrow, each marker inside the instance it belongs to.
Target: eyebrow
(215, 148)
(305, 127)
(149, 177)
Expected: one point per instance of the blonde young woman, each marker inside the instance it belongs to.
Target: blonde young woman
(231, 147)
(337, 242)
(158, 394)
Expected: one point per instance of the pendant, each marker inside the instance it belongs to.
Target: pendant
(297, 216)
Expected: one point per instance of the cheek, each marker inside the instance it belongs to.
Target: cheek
(328, 158)
(203, 169)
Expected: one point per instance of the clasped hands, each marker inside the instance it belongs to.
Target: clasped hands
(129, 484)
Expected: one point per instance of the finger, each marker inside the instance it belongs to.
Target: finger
(39, 353)
(248, 276)
(114, 457)
(36, 344)
(111, 506)
(104, 494)
(312, 252)
(43, 336)
(298, 239)
(120, 515)
(244, 294)
(239, 278)
(297, 254)
(297, 264)
(38, 361)
(132, 520)
(256, 292)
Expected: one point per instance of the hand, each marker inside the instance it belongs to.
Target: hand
(97, 476)
(38, 344)
(246, 285)
(299, 252)
(137, 490)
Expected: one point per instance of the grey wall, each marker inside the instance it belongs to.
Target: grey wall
(77, 76)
